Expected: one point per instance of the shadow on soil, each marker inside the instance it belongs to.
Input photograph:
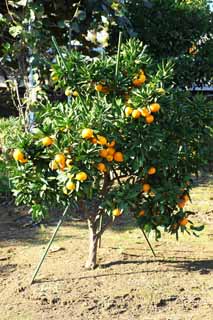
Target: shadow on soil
(202, 266)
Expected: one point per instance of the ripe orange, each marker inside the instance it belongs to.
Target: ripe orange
(183, 222)
(18, 155)
(144, 112)
(149, 119)
(185, 197)
(105, 90)
(146, 187)
(110, 151)
(128, 111)
(116, 212)
(101, 140)
(101, 167)
(141, 213)
(142, 78)
(137, 82)
(60, 158)
(181, 204)
(118, 156)
(99, 87)
(87, 133)
(109, 157)
(136, 114)
(70, 185)
(152, 170)
(47, 141)
(94, 140)
(81, 176)
(155, 107)
(103, 153)
(111, 144)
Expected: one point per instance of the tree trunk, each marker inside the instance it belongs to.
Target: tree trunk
(93, 245)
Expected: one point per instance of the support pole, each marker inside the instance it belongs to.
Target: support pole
(147, 240)
(100, 227)
(49, 244)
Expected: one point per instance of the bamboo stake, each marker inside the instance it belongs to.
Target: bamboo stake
(49, 245)
(147, 240)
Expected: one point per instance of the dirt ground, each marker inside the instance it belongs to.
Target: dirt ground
(129, 282)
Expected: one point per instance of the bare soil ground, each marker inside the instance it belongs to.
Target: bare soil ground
(129, 282)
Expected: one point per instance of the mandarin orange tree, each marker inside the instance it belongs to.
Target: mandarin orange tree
(125, 142)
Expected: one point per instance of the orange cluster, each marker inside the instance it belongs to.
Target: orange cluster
(108, 152)
(102, 88)
(143, 112)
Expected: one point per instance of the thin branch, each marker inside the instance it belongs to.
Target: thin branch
(117, 177)
(105, 226)
(9, 12)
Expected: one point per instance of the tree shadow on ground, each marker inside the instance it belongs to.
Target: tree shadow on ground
(190, 265)
(201, 266)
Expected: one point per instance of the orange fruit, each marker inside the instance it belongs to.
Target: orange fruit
(70, 185)
(23, 161)
(94, 140)
(81, 176)
(105, 90)
(103, 153)
(136, 114)
(152, 170)
(185, 197)
(141, 213)
(142, 78)
(47, 141)
(116, 212)
(75, 93)
(53, 165)
(99, 87)
(111, 144)
(60, 158)
(146, 187)
(183, 222)
(109, 157)
(155, 107)
(101, 140)
(68, 92)
(149, 119)
(87, 133)
(181, 204)
(128, 111)
(137, 83)
(144, 112)
(101, 167)
(18, 155)
(118, 156)
(110, 151)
